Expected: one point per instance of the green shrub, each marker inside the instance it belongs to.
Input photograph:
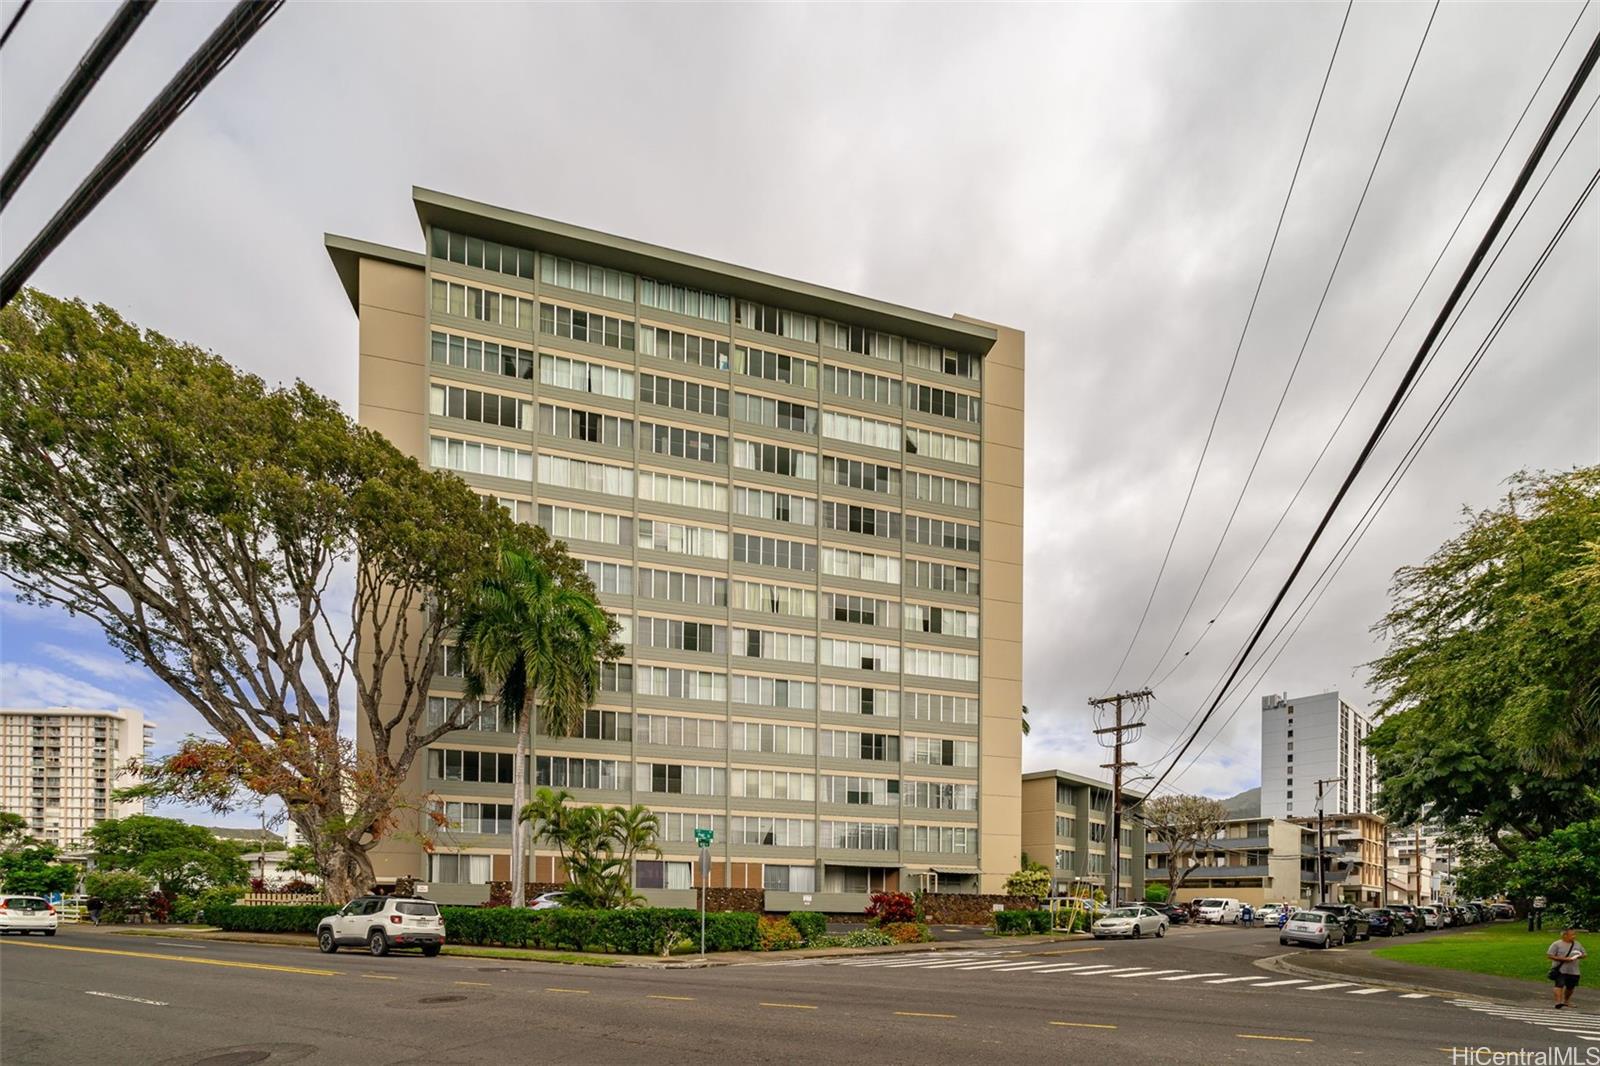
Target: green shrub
(809, 924)
(296, 918)
(1039, 920)
(1155, 893)
(731, 931)
(120, 890)
(1014, 923)
(776, 934)
(908, 932)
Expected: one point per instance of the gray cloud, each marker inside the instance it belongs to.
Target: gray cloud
(1104, 177)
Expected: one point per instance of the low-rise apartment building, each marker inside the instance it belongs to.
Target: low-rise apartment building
(1356, 848)
(59, 768)
(1066, 826)
(1254, 860)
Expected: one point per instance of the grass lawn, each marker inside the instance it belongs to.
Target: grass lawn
(1507, 951)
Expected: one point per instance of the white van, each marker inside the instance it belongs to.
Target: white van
(1217, 911)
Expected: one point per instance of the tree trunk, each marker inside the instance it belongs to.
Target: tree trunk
(349, 873)
(519, 800)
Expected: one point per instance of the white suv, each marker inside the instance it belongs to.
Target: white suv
(384, 922)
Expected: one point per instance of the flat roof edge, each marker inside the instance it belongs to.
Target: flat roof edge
(347, 253)
(685, 268)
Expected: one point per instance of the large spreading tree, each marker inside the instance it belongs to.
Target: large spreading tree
(284, 571)
(1490, 687)
(1187, 825)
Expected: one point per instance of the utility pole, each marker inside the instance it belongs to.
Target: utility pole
(1112, 737)
(1322, 859)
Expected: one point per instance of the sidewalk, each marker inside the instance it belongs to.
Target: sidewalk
(1359, 964)
(585, 958)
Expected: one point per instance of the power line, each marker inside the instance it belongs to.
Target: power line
(1350, 407)
(1304, 344)
(1562, 107)
(83, 79)
(1232, 366)
(240, 24)
(12, 25)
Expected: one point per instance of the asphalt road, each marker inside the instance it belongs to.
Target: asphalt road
(1194, 997)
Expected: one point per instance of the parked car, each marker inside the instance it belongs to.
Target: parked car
(1412, 916)
(1217, 911)
(1353, 918)
(383, 923)
(1432, 917)
(1317, 928)
(1133, 922)
(1268, 914)
(1176, 913)
(27, 914)
(1505, 910)
(546, 901)
(1381, 921)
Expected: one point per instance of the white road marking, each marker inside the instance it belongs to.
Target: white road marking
(989, 965)
(129, 999)
(1365, 991)
(1145, 973)
(1068, 968)
(1190, 976)
(1024, 966)
(1093, 969)
(1277, 984)
(1234, 980)
(1414, 995)
(1324, 988)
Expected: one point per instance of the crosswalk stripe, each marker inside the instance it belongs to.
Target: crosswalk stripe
(1234, 980)
(1324, 988)
(1290, 981)
(1146, 973)
(1022, 966)
(1365, 991)
(1414, 995)
(1066, 969)
(985, 965)
(1190, 976)
(1123, 969)
(1093, 969)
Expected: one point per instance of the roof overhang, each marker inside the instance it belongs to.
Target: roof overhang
(347, 253)
(682, 268)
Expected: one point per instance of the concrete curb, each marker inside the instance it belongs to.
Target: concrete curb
(1282, 964)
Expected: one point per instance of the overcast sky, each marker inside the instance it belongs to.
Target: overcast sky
(1105, 178)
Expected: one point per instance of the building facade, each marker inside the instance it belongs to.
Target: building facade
(1066, 825)
(1312, 738)
(1255, 860)
(803, 506)
(59, 767)
(1355, 847)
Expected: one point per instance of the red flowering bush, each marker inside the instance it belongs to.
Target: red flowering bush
(887, 907)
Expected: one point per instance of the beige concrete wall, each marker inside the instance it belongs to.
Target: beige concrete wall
(1000, 805)
(1039, 821)
(392, 397)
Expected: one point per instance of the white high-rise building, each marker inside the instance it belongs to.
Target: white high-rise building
(60, 765)
(1312, 738)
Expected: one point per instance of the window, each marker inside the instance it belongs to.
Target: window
(600, 725)
(700, 445)
(859, 385)
(471, 457)
(945, 402)
(775, 366)
(689, 348)
(859, 836)
(493, 818)
(774, 599)
(774, 644)
(943, 360)
(773, 832)
(947, 620)
(954, 666)
(862, 791)
(869, 521)
(771, 784)
(779, 414)
(482, 716)
(863, 566)
(941, 796)
(581, 277)
(946, 490)
(860, 655)
(487, 767)
(681, 684)
(941, 533)
(861, 341)
(562, 472)
(860, 610)
(490, 357)
(778, 506)
(942, 839)
(681, 779)
(588, 326)
(678, 732)
(855, 699)
(475, 252)
(857, 429)
(662, 536)
(775, 459)
(592, 427)
(789, 878)
(683, 491)
(765, 319)
(1097, 832)
(615, 578)
(684, 301)
(945, 446)
(559, 771)
(772, 551)
(659, 873)
(485, 305)
(942, 577)
(855, 474)
(682, 636)
(781, 692)
(683, 395)
(459, 869)
(701, 590)
(677, 827)
(936, 751)
(851, 744)
(772, 739)
(936, 707)
(565, 372)
(572, 523)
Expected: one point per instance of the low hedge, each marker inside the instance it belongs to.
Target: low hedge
(809, 924)
(1019, 923)
(634, 931)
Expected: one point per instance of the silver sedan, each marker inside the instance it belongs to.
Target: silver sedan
(1133, 922)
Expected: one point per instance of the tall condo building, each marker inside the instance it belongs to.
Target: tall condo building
(805, 509)
(1309, 739)
(60, 765)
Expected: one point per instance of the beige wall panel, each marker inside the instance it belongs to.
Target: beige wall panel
(1002, 465)
(1003, 540)
(1002, 583)
(393, 335)
(393, 385)
(1002, 501)
(404, 431)
(1002, 660)
(393, 287)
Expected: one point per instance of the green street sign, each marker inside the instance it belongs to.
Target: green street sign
(702, 837)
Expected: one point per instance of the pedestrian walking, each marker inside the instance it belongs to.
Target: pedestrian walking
(95, 906)
(1564, 955)
(1283, 916)
(1247, 916)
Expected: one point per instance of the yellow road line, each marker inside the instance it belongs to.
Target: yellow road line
(570, 991)
(790, 1006)
(1083, 1025)
(476, 984)
(679, 999)
(181, 958)
(1287, 1039)
(919, 1014)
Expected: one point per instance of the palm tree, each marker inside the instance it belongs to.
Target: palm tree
(530, 639)
(635, 830)
(1026, 728)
